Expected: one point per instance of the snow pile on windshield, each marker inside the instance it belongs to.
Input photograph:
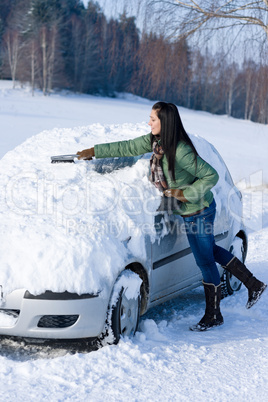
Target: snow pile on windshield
(71, 226)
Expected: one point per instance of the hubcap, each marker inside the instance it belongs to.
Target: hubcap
(128, 315)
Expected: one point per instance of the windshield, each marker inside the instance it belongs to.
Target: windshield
(108, 165)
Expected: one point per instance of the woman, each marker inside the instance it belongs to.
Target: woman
(179, 172)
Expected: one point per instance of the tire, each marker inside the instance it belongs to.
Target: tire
(230, 283)
(124, 310)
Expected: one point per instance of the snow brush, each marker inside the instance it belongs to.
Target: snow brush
(64, 158)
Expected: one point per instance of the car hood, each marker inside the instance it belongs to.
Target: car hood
(64, 226)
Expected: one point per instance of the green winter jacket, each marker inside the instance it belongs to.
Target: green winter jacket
(195, 179)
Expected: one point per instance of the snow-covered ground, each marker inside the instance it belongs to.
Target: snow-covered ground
(164, 361)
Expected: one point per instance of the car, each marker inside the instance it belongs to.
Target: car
(164, 271)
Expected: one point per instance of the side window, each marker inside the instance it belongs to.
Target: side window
(169, 204)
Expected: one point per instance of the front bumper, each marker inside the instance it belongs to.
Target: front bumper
(41, 317)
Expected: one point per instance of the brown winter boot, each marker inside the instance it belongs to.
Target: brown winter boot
(212, 317)
(254, 286)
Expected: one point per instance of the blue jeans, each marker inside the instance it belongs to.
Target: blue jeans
(200, 233)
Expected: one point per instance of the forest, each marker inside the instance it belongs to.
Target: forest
(61, 44)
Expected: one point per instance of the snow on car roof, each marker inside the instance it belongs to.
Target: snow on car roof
(64, 226)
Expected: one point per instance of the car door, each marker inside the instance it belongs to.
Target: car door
(173, 264)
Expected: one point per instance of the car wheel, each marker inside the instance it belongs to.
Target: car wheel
(230, 283)
(124, 310)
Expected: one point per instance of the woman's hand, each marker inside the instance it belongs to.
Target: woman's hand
(176, 193)
(86, 154)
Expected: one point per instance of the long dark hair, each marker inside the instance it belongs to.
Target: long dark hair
(172, 132)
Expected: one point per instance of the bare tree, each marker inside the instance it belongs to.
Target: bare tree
(33, 52)
(52, 57)
(231, 75)
(152, 79)
(44, 45)
(196, 15)
(251, 84)
(12, 43)
(262, 103)
(11, 27)
(44, 20)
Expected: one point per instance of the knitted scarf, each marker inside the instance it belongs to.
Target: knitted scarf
(157, 176)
